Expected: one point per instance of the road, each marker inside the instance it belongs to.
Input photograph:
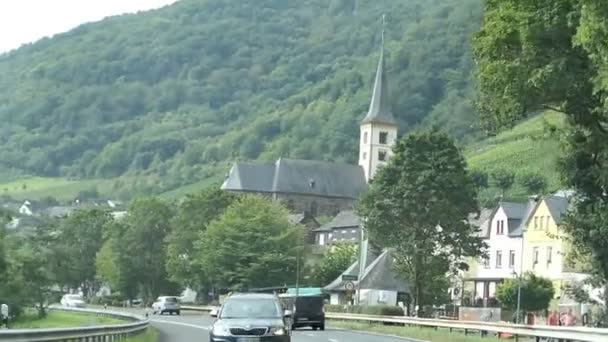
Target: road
(191, 327)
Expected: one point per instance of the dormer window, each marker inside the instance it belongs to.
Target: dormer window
(311, 183)
(500, 227)
(383, 138)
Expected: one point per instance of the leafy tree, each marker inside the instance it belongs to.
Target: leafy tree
(533, 182)
(536, 293)
(335, 261)
(251, 245)
(540, 55)
(503, 179)
(193, 215)
(81, 237)
(419, 204)
(480, 178)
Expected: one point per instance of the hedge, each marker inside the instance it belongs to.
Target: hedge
(381, 310)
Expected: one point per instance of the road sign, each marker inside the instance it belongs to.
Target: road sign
(349, 277)
(349, 286)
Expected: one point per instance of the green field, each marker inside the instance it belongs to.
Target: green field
(58, 319)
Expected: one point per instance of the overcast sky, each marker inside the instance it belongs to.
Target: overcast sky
(25, 21)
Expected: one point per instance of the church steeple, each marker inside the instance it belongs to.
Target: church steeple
(378, 128)
(380, 107)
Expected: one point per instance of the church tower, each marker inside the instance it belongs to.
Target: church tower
(378, 128)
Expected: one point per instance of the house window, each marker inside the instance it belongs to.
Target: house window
(535, 255)
(500, 227)
(536, 222)
(365, 137)
(354, 231)
(485, 262)
(344, 232)
(321, 239)
(330, 236)
(511, 259)
(549, 255)
(547, 223)
(498, 259)
(364, 155)
(382, 155)
(383, 138)
(542, 222)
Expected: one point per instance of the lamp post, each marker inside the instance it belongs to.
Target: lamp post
(519, 278)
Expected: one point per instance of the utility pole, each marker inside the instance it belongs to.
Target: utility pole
(519, 279)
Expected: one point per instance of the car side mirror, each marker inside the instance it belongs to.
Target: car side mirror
(287, 313)
(213, 313)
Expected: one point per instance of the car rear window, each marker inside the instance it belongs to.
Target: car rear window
(171, 300)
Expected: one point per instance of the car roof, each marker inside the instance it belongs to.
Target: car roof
(164, 297)
(253, 296)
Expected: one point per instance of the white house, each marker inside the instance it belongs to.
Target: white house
(503, 234)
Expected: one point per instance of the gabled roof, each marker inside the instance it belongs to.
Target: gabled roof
(380, 107)
(308, 177)
(344, 219)
(557, 207)
(378, 275)
(482, 221)
(530, 208)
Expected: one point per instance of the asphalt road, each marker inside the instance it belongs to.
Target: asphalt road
(190, 327)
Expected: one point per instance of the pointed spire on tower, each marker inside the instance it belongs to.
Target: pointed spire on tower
(380, 108)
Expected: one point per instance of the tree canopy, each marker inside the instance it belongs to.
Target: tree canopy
(164, 98)
(419, 204)
(536, 293)
(251, 245)
(537, 55)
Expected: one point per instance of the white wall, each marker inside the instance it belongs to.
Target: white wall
(502, 243)
(370, 147)
(378, 297)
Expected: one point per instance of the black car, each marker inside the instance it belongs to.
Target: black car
(251, 318)
(308, 311)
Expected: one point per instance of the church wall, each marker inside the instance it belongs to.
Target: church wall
(316, 205)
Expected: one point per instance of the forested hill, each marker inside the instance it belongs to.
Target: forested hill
(173, 95)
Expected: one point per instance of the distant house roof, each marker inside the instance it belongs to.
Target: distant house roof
(530, 207)
(344, 219)
(304, 219)
(482, 221)
(557, 207)
(379, 275)
(307, 177)
(34, 205)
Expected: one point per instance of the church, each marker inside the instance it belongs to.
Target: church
(322, 188)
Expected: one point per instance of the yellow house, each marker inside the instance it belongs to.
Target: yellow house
(544, 248)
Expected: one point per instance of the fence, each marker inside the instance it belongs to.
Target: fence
(113, 332)
(538, 331)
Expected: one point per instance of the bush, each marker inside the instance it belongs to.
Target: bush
(380, 310)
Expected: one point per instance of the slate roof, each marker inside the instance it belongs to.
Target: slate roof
(530, 207)
(344, 219)
(380, 107)
(557, 207)
(308, 177)
(379, 275)
(483, 222)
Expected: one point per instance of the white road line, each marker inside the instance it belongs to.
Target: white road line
(309, 335)
(180, 323)
(332, 340)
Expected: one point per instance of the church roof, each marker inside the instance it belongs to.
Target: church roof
(308, 177)
(380, 107)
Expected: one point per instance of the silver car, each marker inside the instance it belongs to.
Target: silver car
(168, 304)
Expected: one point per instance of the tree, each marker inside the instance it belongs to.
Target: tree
(551, 55)
(251, 245)
(503, 180)
(335, 261)
(480, 178)
(419, 205)
(533, 182)
(81, 236)
(193, 215)
(536, 293)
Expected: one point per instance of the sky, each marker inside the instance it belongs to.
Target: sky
(25, 21)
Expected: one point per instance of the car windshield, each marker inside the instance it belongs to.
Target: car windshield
(251, 308)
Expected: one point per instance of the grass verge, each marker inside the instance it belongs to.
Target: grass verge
(150, 335)
(58, 319)
(418, 333)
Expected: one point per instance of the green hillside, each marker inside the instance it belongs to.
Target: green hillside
(529, 147)
(152, 102)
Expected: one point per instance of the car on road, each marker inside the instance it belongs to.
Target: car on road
(73, 301)
(166, 304)
(308, 310)
(251, 317)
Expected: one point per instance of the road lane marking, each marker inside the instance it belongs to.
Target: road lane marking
(180, 323)
(332, 340)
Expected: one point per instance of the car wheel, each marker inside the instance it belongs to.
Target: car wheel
(177, 312)
(322, 327)
(315, 327)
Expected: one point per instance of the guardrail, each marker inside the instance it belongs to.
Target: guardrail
(112, 332)
(537, 331)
